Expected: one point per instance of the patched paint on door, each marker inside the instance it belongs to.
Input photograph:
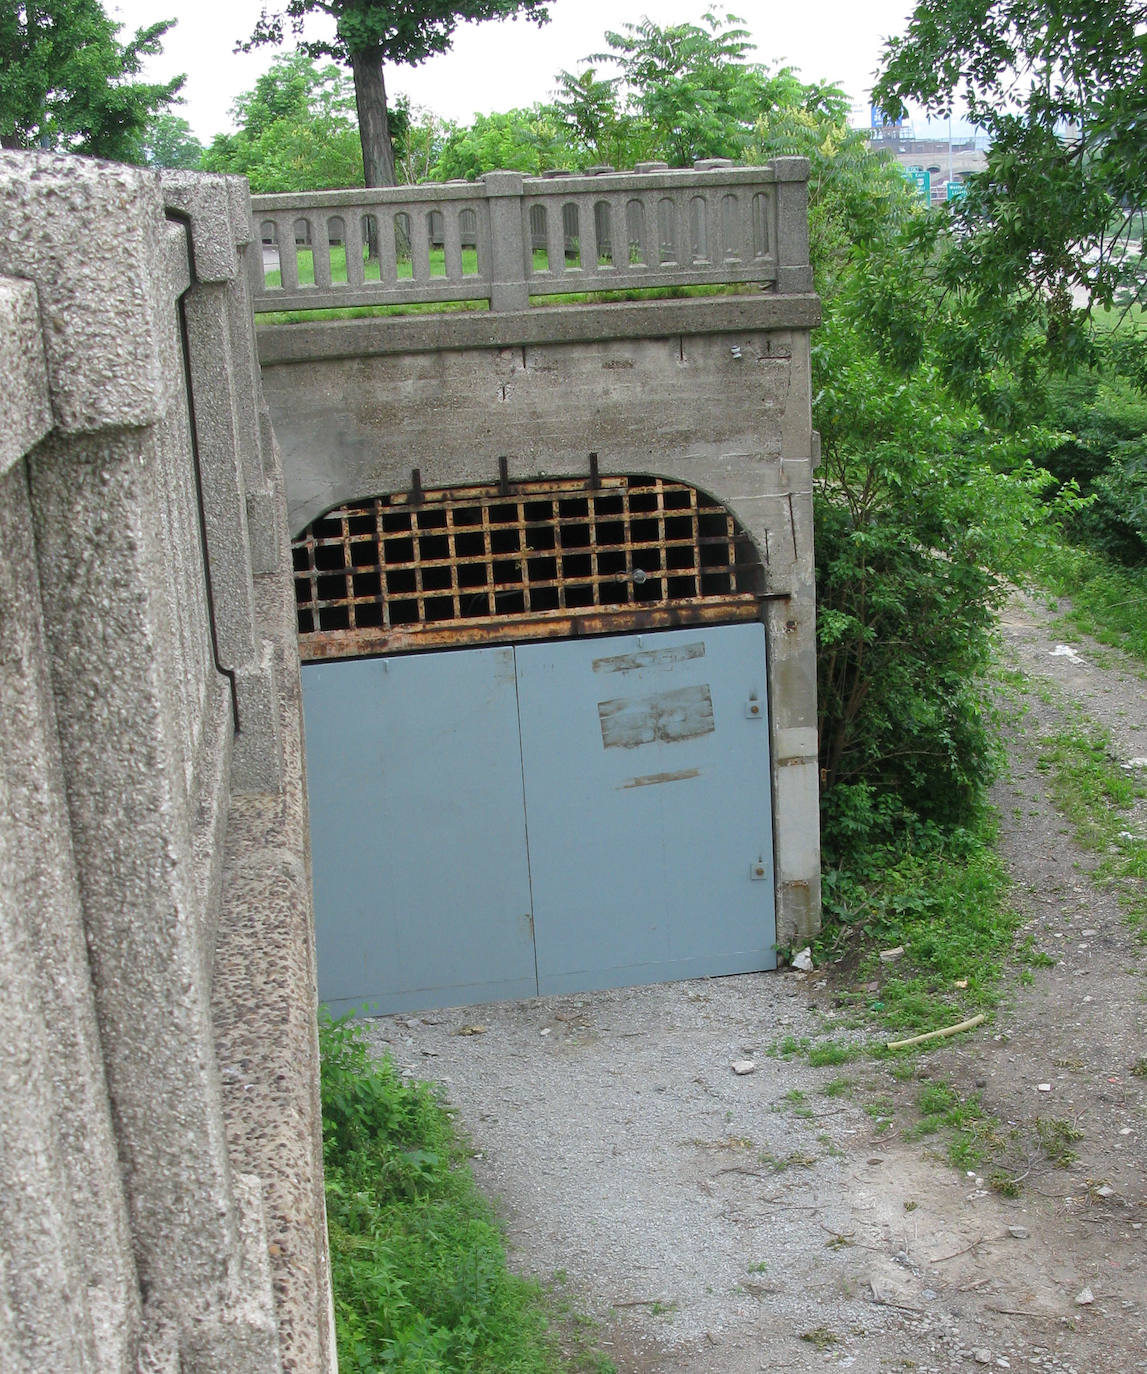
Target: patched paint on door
(551, 817)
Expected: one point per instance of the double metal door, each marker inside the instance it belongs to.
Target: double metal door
(551, 817)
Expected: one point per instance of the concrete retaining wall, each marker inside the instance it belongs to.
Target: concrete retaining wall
(160, 1148)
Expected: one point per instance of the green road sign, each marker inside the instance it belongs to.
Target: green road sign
(922, 181)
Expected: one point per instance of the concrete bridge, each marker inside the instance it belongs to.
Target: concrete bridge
(161, 1203)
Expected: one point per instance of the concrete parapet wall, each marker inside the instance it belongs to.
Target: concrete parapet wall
(160, 1147)
(507, 238)
(713, 392)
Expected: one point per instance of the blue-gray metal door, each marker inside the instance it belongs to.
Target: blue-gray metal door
(646, 763)
(418, 836)
(566, 815)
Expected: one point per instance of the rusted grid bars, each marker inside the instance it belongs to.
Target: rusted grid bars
(466, 565)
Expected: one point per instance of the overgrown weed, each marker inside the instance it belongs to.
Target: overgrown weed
(418, 1262)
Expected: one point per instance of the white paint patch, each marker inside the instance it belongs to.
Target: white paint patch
(1066, 651)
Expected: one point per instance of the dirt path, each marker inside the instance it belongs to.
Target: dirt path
(779, 1220)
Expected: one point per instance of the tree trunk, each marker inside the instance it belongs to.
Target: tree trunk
(373, 122)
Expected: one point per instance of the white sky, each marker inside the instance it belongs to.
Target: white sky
(497, 65)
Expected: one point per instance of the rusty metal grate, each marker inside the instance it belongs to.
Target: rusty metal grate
(503, 562)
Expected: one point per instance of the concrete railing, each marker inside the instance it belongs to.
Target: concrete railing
(509, 238)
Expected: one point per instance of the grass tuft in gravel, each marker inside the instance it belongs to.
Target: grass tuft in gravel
(1096, 794)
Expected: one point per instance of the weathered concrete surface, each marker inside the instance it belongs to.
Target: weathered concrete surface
(712, 392)
(23, 372)
(135, 1191)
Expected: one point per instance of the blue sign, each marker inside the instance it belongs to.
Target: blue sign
(881, 121)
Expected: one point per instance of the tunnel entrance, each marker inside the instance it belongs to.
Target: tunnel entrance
(537, 741)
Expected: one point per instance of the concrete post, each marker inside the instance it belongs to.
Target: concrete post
(509, 284)
(793, 271)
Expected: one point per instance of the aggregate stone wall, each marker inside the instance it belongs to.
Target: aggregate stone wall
(713, 392)
(160, 1147)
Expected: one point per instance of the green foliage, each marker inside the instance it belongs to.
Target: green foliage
(371, 33)
(683, 91)
(169, 142)
(1097, 795)
(518, 141)
(1059, 87)
(595, 126)
(920, 508)
(403, 31)
(941, 896)
(1108, 600)
(971, 1135)
(418, 1263)
(65, 80)
(1105, 417)
(296, 130)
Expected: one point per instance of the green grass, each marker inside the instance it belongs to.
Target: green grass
(970, 1135)
(418, 1262)
(1108, 600)
(1096, 794)
(946, 904)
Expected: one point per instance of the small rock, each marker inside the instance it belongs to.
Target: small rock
(1126, 1130)
(743, 1066)
(890, 956)
(1084, 1299)
(982, 1355)
(1066, 651)
(471, 1030)
(803, 960)
(545, 1030)
(1043, 1087)
(1018, 1232)
(1105, 1191)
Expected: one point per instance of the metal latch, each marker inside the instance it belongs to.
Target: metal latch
(758, 870)
(754, 709)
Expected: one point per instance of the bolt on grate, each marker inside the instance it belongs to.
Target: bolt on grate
(494, 563)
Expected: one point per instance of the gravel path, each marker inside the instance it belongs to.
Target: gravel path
(717, 1222)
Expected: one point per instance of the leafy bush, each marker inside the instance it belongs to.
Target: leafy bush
(921, 509)
(418, 1263)
(1105, 452)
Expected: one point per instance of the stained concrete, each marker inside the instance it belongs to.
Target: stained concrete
(713, 392)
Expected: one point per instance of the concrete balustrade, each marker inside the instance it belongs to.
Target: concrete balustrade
(508, 238)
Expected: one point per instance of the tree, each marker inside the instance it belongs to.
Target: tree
(369, 33)
(691, 88)
(1059, 85)
(518, 141)
(588, 110)
(169, 142)
(65, 79)
(296, 130)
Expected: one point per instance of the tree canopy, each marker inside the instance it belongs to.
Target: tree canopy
(1059, 86)
(372, 33)
(296, 130)
(66, 79)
